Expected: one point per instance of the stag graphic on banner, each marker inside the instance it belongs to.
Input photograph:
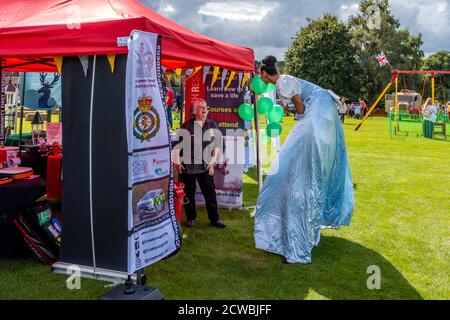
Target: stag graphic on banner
(46, 101)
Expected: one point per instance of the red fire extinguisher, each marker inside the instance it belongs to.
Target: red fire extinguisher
(179, 197)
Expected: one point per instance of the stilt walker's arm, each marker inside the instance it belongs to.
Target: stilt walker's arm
(377, 101)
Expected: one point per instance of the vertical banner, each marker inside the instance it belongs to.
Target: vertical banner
(2, 106)
(43, 90)
(195, 89)
(152, 223)
(223, 102)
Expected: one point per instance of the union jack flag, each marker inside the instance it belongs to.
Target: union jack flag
(382, 60)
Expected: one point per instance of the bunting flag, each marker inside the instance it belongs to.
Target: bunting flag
(188, 72)
(215, 76)
(230, 79)
(58, 61)
(205, 72)
(224, 75)
(178, 72)
(112, 61)
(85, 64)
(245, 79)
(197, 69)
(240, 79)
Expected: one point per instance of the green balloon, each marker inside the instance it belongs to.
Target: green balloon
(265, 105)
(258, 85)
(270, 88)
(276, 114)
(246, 112)
(274, 129)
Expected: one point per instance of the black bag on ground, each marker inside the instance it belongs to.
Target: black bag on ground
(40, 231)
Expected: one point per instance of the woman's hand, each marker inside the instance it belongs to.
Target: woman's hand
(299, 106)
(211, 168)
(179, 167)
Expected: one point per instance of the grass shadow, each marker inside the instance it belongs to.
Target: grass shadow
(340, 272)
(224, 264)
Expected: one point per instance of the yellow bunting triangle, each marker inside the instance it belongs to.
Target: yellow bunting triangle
(178, 72)
(245, 79)
(58, 61)
(112, 60)
(215, 76)
(230, 79)
(197, 69)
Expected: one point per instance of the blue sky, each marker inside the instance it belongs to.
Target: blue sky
(268, 26)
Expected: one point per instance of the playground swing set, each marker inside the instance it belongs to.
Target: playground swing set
(405, 118)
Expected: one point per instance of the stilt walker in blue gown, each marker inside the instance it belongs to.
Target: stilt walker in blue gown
(311, 185)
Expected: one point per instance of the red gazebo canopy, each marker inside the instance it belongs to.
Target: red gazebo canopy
(33, 32)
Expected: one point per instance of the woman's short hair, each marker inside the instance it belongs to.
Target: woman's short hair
(195, 105)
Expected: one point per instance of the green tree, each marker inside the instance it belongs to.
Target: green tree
(375, 29)
(322, 53)
(439, 61)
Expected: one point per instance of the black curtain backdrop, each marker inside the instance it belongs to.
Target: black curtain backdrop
(109, 164)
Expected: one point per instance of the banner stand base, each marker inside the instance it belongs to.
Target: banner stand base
(131, 291)
(91, 273)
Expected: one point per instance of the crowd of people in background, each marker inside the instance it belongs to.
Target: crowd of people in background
(354, 109)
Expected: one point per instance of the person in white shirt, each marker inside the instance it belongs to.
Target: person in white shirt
(429, 112)
(342, 108)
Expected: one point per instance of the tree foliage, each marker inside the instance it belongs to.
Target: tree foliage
(401, 48)
(439, 61)
(322, 53)
(341, 56)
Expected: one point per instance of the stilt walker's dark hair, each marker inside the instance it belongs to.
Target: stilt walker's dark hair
(268, 65)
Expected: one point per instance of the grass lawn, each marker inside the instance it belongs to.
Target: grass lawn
(401, 224)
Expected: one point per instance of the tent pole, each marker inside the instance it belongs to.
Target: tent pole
(183, 96)
(22, 103)
(258, 143)
(90, 164)
(2, 106)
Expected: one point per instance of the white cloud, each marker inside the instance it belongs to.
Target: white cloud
(431, 18)
(237, 10)
(268, 26)
(168, 9)
(347, 10)
(434, 18)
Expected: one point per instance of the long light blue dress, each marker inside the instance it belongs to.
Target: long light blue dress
(311, 185)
